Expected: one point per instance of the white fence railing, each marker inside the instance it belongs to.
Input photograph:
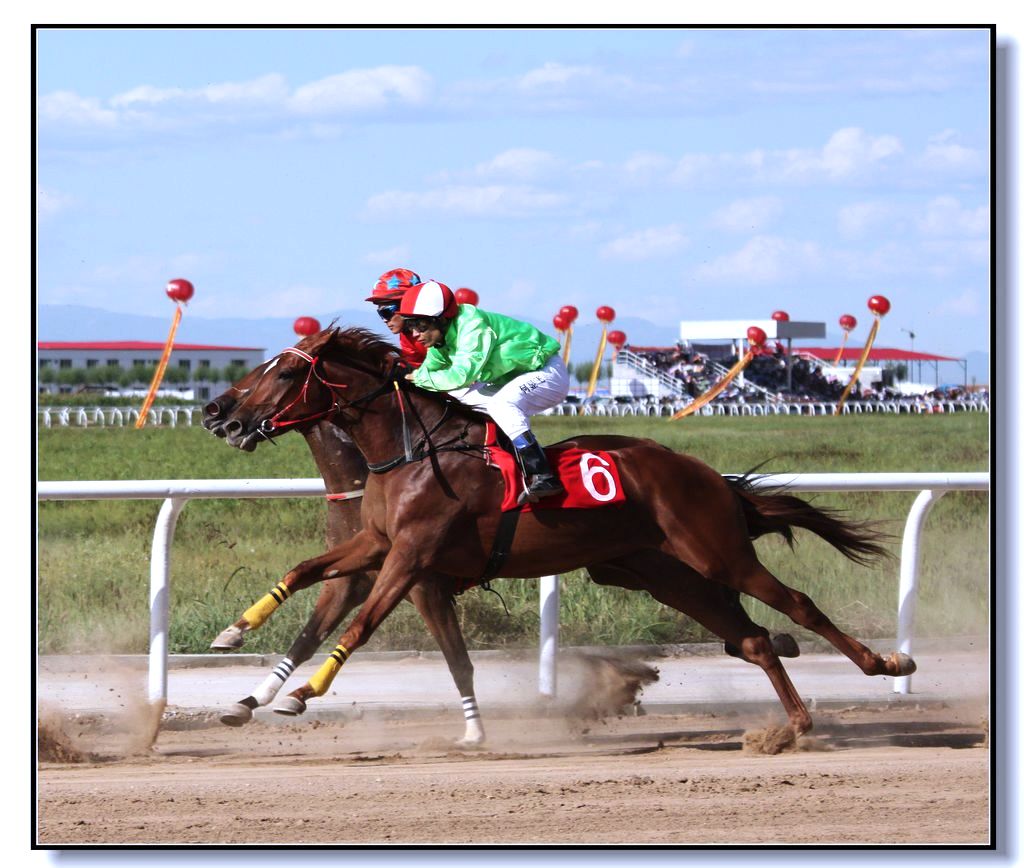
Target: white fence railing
(120, 417)
(177, 492)
(766, 408)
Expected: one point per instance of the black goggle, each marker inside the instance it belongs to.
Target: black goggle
(386, 311)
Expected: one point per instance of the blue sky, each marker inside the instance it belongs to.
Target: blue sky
(670, 173)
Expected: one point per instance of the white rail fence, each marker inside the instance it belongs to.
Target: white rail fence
(119, 417)
(175, 493)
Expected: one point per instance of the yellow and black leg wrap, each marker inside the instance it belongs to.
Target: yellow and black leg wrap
(257, 613)
(325, 674)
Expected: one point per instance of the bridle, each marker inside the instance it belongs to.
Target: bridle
(339, 403)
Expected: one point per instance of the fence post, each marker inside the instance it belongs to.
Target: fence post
(159, 597)
(547, 679)
(910, 561)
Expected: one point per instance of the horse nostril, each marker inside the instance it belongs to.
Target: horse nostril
(234, 427)
(211, 409)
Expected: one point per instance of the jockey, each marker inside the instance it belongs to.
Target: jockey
(387, 295)
(498, 365)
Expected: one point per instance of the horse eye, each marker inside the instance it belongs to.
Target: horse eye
(285, 374)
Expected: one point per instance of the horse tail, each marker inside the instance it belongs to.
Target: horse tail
(774, 511)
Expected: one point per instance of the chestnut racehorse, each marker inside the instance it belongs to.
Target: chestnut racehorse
(431, 509)
(343, 469)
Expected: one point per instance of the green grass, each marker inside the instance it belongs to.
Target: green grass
(93, 562)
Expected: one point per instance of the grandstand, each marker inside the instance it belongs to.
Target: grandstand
(781, 373)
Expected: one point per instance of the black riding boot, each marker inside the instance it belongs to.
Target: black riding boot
(540, 481)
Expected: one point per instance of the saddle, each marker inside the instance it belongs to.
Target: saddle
(591, 478)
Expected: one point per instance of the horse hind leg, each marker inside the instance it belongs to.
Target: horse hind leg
(679, 586)
(754, 579)
(337, 598)
(783, 644)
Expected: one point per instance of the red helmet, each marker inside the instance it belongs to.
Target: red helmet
(429, 299)
(392, 285)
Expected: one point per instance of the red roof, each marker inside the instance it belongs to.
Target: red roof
(877, 354)
(130, 345)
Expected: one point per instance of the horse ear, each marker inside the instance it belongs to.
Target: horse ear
(314, 343)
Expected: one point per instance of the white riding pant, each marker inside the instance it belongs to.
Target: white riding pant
(511, 405)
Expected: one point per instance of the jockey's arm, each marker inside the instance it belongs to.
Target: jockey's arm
(474, 343)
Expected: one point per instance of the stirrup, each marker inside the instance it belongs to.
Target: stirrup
(546, 485)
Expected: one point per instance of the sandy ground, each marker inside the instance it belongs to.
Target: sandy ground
(907, 774)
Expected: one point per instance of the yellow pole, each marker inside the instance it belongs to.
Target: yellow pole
(568, 345)
(160, 368)
(716, 389)
(597, 364)
(842, 347)
(860, 365)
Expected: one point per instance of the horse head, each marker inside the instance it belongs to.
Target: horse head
(285, 392)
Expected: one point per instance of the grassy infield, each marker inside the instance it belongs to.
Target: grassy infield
(94, 556)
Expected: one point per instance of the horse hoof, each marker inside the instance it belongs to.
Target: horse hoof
(470, 742)
(229, 640)
(237, 715)
(785, 645)
(290, 707)
(903, 663)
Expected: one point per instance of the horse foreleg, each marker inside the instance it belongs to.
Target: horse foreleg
(363, 552)
(397, 576)
(337, 598)
(436, 606)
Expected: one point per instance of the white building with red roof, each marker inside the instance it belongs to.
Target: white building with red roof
(200, 361)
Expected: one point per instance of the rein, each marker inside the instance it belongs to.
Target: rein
(411, 454)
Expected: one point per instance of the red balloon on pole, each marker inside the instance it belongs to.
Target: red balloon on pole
(848, 322)
(570, 313)
(180, 289)
(305, 326)
(780, 316)
(561, 323)
(756, 335)
(879, 304)
(605, 314)
(617, 339)
(465, 295)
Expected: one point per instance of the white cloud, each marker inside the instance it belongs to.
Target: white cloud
(363, 89)
(64, 106)
(850, 154)
(747, 215)
(859, 219)
(968, 303)
(763, 259)
(945, 217)
(518, 163)
(944, 153)
(49, 203)
(385, 257)
(645, 166)
(266, 90)
(554, 75)
(492, 200)
(652, 243)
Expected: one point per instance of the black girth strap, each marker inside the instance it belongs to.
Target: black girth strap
(502, 544)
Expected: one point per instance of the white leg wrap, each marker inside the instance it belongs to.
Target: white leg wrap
(474, 725)
(273, 682)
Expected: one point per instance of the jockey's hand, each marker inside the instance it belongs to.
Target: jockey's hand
(409, 376)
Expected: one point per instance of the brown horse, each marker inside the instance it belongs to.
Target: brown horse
(343, 469)
(683, 533)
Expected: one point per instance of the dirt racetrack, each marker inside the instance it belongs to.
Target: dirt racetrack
(904, 774)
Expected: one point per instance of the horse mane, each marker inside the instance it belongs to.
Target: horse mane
(361, 345)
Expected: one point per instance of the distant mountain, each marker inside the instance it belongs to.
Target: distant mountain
(81, 323)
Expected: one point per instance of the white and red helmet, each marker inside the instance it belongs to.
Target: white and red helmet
(430, 299)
